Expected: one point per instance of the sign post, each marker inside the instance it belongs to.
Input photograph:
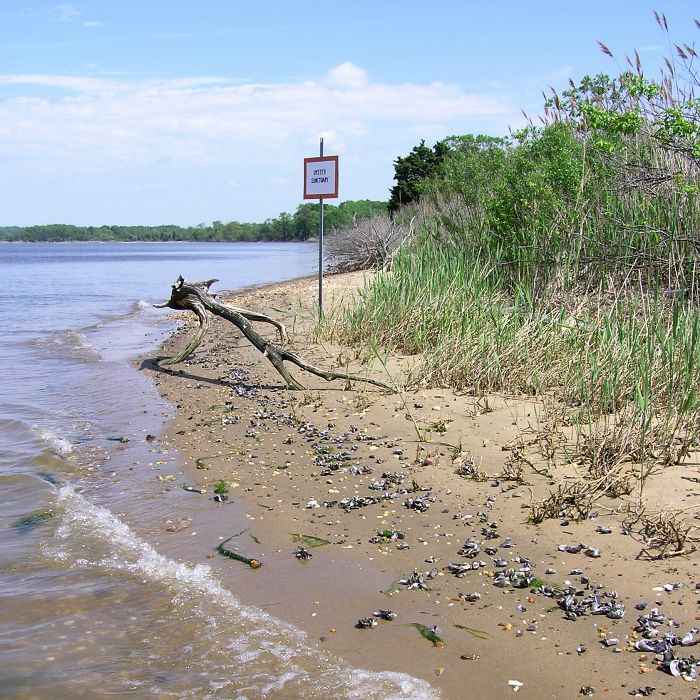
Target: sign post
(321, 182)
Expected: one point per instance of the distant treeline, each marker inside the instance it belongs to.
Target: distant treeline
(300, 226)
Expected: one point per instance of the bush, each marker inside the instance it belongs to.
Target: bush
(367, 244)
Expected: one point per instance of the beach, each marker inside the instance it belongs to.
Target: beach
(360, 503)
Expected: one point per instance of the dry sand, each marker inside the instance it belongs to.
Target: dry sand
(285, 455)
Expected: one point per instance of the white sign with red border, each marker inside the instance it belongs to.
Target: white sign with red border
(321, 177)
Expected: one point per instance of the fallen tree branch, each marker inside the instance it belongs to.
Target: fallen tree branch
(195, 297)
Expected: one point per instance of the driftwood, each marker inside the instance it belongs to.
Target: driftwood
(196, 297)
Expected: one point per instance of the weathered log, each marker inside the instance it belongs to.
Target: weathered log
(196, 297)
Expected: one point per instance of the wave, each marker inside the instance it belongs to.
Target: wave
(70, 344)
(59, 444)
(240, 648)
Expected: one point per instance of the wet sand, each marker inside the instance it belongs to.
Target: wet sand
(292, 460)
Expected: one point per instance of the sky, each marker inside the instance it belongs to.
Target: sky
(180, 112)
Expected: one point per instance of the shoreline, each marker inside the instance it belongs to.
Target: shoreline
(286, 454)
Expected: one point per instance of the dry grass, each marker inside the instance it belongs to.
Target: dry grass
(664, 533)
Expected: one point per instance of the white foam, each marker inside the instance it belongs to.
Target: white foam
(60, 444)
(269, 657)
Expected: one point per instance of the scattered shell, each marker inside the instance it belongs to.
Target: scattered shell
(385, 614)
(366, 623)
(302, 554)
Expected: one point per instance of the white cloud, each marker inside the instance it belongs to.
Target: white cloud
(347, 75)
(213, 134)
(208, 119)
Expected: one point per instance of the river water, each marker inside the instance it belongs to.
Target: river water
(91, 605)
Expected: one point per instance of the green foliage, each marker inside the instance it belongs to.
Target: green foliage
(470, 166)
(414, 171)
(564, 261)
(220, 488)
(300, 226)
(536, 189)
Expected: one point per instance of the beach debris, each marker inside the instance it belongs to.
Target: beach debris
(118, 438)
(460, 569)
(575, 606)
(366, 623)
(193, 489)
(177, 525)
(199, 463)
(220, 491)
(226, 552)
(348, 504)
(385, 614)
(479, 634)
(430, 633)
(668, 587)
(682, 668)
(514, 578)
(469, 549)
(308, 540)
(644, 692)
(415, 580)
(420, 503)
(166, 477)
(515, 685)
(196, 297)
(302, 554)
(586, 690)
(388, 480)
(27, 522)
(386, 536)
(664, 646)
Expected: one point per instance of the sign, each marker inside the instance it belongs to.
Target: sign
(321, 177)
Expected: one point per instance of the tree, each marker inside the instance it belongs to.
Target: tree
(413, 171)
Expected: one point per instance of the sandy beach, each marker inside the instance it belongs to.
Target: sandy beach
(415, 503)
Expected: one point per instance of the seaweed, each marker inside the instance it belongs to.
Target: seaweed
(27, 522)
(226, 552)
(308, 540)
(479, 634)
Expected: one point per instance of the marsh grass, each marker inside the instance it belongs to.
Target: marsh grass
(612, 345)
(563, 264)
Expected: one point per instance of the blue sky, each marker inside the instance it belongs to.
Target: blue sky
(175, 111)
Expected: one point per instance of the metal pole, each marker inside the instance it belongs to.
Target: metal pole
(320, 250)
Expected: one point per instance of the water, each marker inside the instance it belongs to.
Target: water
(91, 605)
